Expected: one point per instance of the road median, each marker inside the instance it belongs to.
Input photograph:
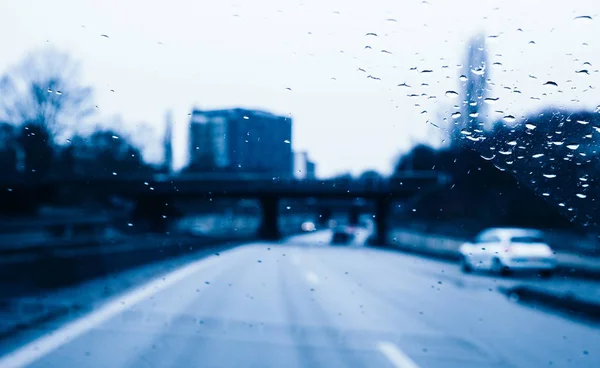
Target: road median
(566, 302)
(575, 289)
(444, 247)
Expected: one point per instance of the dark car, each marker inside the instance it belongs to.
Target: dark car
(342, 235)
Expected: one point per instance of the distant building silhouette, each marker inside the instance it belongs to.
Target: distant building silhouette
(303, 167)
(242, 141)
(168, 143)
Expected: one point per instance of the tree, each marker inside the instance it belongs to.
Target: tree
(105, 153)
(474, 76)
(41, 95)
(421, 157)
(8, 150)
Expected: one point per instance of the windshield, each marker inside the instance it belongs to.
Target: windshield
(526, 239)
(300, 183)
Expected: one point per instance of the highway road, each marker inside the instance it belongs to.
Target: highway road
(304, 303)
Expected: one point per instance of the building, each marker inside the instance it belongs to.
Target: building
(303, 167)
(241, 141)
(168, 144)
(311, 170)
(208, 146)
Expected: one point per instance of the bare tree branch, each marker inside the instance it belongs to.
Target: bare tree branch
(42, 89)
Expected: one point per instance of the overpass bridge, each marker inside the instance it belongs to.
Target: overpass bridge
(154, 194)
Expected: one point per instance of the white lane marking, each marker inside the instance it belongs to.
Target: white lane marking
(395, 355)
(44, 345)
(312, 277)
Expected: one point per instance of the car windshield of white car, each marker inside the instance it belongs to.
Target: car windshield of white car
(526, 239)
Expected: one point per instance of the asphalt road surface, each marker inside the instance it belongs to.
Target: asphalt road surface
(304, 303)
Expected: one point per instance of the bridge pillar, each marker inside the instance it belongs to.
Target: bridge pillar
(354, 215)
(324, 216)
(382, 210)
(269, 229)
(154, 214)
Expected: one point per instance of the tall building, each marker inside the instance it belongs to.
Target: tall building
(304, 168)
(208, 143)
(242, 141)
(168, 143)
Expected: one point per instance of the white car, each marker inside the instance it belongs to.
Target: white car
(502, 250)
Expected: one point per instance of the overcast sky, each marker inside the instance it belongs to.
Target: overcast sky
(304, 58)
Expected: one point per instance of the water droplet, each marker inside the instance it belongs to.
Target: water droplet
(582, 71)
(246, 118)
(288, 88)
(426, 71)
(538, 155)
(490, 100)
(551, 84)
(403, 85)
(488, 158)
(386, 52)
(104, 35)
(583, 122)
(129, 224)
(506, 153)
(287, 141)
(572, 146)
(59, 93)
(49, 90)
(530, 126)
(583, 17)
(478, 71)
(558, 143)
(509, 118)
(114, 173)
(115, 137)
(474, 114)
(456, 115)
(549, 176)
(581, 195)
(512, 143)
(371, 34)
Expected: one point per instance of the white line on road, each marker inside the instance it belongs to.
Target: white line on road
(395, 355)
(38, 348)
(312, 277)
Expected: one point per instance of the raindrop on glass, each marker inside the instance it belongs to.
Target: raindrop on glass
(509, 118)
